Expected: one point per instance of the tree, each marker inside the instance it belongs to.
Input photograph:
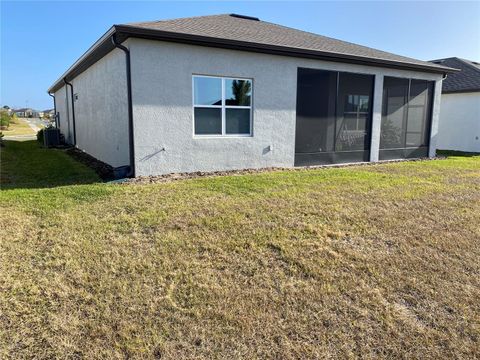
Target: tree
(390, 133)
(241, 90)
(4, 119)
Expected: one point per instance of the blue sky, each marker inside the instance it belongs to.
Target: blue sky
(40, 40)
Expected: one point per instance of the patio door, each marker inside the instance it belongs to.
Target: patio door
(334, 115)
(406, 118)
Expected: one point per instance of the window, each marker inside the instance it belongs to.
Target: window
(316, 98)
(354, 104)
(406, 113)
(418, 124)
(394, 113)
(334, 114)
(222, 106)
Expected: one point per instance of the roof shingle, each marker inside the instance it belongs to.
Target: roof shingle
(239, 28)
(466, 80)
(245, 33)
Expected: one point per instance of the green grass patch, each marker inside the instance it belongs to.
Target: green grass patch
(456, 153)
(26, 164)
(367, 261)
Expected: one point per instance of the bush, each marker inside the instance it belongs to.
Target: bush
(4, 120)
(40, 135)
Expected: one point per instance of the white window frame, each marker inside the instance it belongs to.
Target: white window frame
(223, 108)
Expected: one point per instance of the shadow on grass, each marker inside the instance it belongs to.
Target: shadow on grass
(26, 164)
(456, 153)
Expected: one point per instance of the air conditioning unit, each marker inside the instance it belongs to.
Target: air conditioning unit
(51, 137)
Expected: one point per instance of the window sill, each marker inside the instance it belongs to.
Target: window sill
(222, 136)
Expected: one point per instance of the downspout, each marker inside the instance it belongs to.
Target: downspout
(129, 104)
(73, 111)
(54, 109)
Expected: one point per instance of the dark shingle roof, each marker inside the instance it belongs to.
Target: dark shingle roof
(22, 109)
(248, 34)
(239, 28)
(466, 80)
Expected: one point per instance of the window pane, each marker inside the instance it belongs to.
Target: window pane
(315, 126)
(418, 121)
(237, 121)
(418, 92)
(207, 91)
(405, 116)
(208, 121)
(414, 139)
(354, 110)
(394, 113)
(238, 92)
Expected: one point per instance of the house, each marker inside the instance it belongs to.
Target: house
(24, 112)
(48, 114)
(459, 127)
(7, 110)
(230, 91)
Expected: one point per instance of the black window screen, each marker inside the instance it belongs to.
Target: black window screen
(316, 94)
(334, 112)
(406, 117)
(394, 113)
(354, 111)
(418, 120)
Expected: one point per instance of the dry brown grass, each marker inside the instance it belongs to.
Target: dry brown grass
(372, 262)
(18, 127)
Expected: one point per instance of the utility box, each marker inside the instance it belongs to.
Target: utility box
(51, 137)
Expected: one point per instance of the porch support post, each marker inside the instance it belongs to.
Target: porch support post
(376, 118)
(437, 96)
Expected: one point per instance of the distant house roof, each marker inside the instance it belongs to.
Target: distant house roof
(22, 110)
(246, 33)
(466, 80)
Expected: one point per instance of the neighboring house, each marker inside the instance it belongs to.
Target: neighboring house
(24, 113)
(7, 110)
(459, 127)
(49, 113)
(229, 92)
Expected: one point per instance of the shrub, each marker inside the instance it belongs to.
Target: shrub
(40, 135)
(4, 120)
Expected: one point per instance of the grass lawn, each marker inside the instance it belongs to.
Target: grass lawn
(25, 164)
(18, 127)
(372, 261)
